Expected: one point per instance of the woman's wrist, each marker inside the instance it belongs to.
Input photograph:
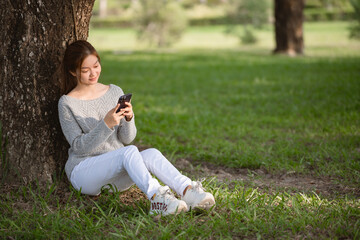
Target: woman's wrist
(108, 125)
(128, 119)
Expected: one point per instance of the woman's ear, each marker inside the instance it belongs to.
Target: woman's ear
(72, 73)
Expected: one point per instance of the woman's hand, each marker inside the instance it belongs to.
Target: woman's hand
(128, 111)
(112, 118)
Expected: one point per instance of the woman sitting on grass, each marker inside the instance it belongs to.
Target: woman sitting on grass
(97, 134)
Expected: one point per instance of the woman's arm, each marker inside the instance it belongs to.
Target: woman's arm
(127, 131)
(80, 142)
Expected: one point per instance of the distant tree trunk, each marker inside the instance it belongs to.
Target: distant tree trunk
(102, 8)
(34, 35)
(289, 20)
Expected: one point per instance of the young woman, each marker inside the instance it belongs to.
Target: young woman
(97, 135)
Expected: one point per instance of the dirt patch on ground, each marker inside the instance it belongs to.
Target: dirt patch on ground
(260, 178)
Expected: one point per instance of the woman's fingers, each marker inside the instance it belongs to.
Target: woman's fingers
(129, 107)
(128, 104)
(128, 111)
(121, 112)
(116, 108)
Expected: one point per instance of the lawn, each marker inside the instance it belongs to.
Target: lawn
(247, 109)
(216, 105)
(321, 39)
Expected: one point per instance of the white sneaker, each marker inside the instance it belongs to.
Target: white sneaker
(196, 197)
(166, 203)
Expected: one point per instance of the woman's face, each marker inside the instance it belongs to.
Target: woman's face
(89, 71)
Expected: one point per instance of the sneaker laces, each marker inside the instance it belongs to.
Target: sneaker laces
(198, 186)
(167, 193)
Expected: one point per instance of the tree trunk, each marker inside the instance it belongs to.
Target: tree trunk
(34, 35)
(289, 20)
(103, 8)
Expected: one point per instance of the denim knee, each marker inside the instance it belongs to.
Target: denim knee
(131, 154)
(153, 152)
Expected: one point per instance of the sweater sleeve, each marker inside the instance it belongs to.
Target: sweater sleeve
(80, 142)
(127, 131)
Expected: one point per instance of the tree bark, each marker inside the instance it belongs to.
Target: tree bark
(289, 20)
(34, 35)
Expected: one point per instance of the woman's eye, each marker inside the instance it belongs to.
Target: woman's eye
(96, 66)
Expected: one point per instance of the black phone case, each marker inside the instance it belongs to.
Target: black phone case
(122, 99)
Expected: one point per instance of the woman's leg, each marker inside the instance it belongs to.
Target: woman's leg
(93, 173)
(157, 164)
(195, 196)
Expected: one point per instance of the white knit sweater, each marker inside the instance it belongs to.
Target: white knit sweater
(82, 122)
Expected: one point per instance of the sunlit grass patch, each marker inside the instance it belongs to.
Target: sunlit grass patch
(246, 110)
(240, 212)
(328, 39)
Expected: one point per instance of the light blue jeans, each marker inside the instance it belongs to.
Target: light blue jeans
(124, 167)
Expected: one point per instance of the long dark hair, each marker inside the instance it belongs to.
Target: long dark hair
(74, 56)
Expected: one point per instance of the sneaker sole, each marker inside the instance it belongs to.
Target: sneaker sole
(182, 209)
(205, 205)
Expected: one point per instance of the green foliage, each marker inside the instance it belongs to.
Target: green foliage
(355, 31)
(328, 10)
(246, 12)
(189, 3)
(331, 4)
(120, 12)
(248, 37)
(159, 23)
(192, 3)
(322, 14)
(355, 28)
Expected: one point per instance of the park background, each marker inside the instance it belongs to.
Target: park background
(276, 137)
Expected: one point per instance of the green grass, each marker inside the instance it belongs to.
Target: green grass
(32, 213)
(233, 106)
(246, 110)
(321, 39)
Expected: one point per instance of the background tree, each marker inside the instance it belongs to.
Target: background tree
(289, 20)
(34, 35)
(160, 23)
(331, 4)
(247, 13)
(102, 8)
(355, 28)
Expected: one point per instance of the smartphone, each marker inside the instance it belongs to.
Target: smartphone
(122, 99)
